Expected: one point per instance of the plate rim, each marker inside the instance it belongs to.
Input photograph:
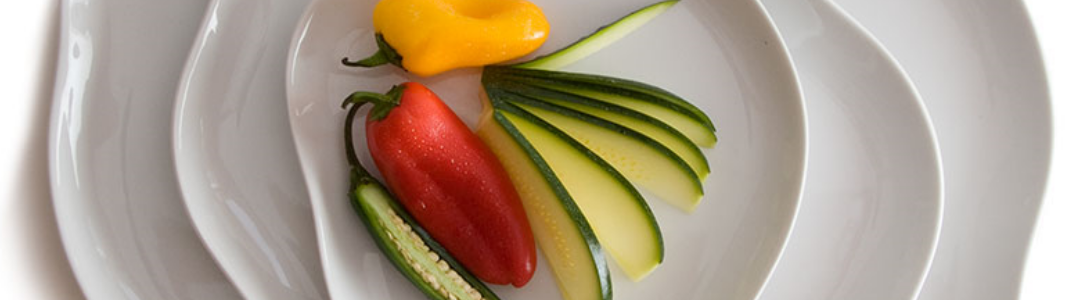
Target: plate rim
(90, 284)
(1036, 94)
(240, 278)
(923, 118)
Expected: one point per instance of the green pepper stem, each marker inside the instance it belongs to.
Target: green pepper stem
(385, 55)
(377, 59)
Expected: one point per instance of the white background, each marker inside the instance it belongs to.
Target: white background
(32, 263)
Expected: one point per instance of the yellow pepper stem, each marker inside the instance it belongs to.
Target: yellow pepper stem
(385, 55)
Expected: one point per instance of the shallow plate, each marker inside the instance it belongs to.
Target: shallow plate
(119, 211)
(730, 62)
(872, 208)
(977, 65)
(234, 152)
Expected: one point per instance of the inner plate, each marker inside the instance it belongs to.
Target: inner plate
(234, 152)
(977, 65)
(723, 55)
(870, 216)
(120, 214)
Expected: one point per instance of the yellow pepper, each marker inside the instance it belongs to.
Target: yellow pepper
(428, 37)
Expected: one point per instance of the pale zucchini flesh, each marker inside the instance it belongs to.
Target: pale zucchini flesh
(640, 159)
(677, 142)
(563, 234)
(619, 216)
(633, 120)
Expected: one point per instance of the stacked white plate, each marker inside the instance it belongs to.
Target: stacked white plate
(869, 149)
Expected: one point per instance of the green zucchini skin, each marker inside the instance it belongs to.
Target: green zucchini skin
(599, 39)
(696, 159)
(604, 84)
(366, 195)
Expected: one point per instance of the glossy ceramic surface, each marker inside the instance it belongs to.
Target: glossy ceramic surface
(977, 65)
(731, 62)
(234, 153)
(120, 214)
(872, 208)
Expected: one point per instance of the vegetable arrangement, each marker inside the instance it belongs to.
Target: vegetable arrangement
(575, 147)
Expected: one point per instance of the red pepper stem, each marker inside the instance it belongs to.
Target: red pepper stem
(385, 55)
(357, 173)
(383, 102)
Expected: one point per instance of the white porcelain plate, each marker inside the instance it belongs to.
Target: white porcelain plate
(976, 64)
(870, 216)
(723, 55)
(234, 153)
(120, 214)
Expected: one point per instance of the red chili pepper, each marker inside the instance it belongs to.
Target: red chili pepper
(451, 183)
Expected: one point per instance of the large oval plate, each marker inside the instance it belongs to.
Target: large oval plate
(723, 55)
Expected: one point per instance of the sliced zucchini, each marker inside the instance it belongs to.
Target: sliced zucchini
(408, 247)
(622, 220)
(697, 132)
(640, 97)
(641, 123)
(564, 235)
(599, 39)
(630, 87)
(639, 158)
